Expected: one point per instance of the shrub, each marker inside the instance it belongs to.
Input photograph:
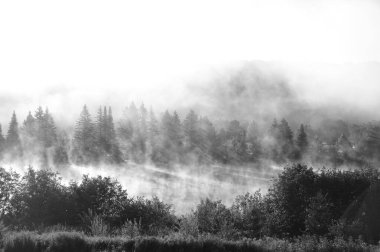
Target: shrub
(188, 226)
(131, 229)
(94, 224)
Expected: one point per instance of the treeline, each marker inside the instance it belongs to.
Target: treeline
(140, 136)
(300, 201)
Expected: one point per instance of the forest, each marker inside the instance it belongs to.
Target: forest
(331, 207)
(140, 136)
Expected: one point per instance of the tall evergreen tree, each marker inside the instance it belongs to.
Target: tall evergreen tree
(100, 129)
(237, 144)
(61, 157)
(114, 150)
(152, 135)
(176, 130)
(2, 143)
(302, 142)
(253, 142)
(208, 139)
(286, 140)
(49, 130)
(29, 125)
(13, 144)
(171, 138)
(85, 149)
(191, 131)
(143, 121)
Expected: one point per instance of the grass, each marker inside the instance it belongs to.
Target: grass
(62, 241)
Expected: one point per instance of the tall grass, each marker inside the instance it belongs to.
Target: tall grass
(79, 242)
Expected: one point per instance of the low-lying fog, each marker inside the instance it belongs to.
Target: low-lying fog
(182, 187)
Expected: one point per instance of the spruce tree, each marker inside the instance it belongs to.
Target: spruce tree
(191, 131)
(286, 140)
(49, 130)
(302, 142)
(143, 121)
(176, 130)
(2, 142)
(13, 144)
(100, 130)
(29, 125)
(84, 143)
(114, 150)
(61, 157)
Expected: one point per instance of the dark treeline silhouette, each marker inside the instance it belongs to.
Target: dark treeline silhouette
(140, 136)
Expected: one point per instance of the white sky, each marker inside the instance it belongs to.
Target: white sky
(145, 46)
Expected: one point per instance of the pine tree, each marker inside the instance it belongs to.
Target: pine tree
(100, 129)
(302, 142)
(152, 135)
(114, 151)
(371, 142)
(2, 143)
(286, 140)
(61, 157)
(191, 131)
(13, 144)
(237, 145)
(171, 138)
(39, 122)
(29, 125)
(208, 139)
(49, 130)
(85, 149)
(152, 128)
(253, 142)
(143, 121)
(176, 130)
(275, 146)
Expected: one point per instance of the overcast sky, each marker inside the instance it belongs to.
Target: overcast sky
(136, 48)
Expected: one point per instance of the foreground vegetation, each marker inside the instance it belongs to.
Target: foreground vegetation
(304, 209)
(74, 241)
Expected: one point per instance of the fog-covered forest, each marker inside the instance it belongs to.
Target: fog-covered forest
(141, 136)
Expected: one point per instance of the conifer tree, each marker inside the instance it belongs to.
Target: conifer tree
(143, 121)
(29, 125)
(2, 142)
(13, 144)
(286, 140)
(152, 128)
(100, 134)
(191, 131)
(301, 141)
(176, 130)
(61, 157)
(253, 141)
(114, 149)
(152, 135)
(84, 143)
(49, 130)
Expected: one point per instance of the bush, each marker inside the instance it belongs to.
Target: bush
(94, 224)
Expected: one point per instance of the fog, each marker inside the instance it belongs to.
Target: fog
(182, 187)
(248, 60)
(63, 55)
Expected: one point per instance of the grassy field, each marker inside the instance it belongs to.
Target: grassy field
(79, 242)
